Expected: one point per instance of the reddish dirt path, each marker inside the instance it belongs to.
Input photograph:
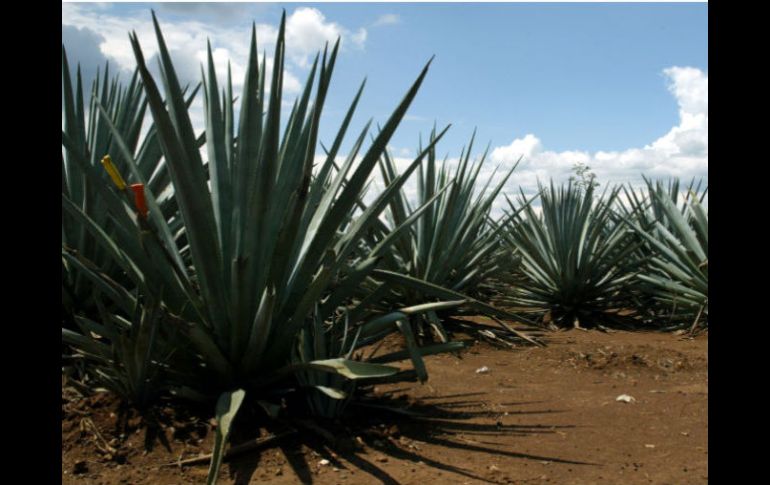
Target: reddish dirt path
(539, 415)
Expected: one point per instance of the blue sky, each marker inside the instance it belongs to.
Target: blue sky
(623, 87)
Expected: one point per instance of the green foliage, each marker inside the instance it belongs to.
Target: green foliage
(87, 135)
(455, 244)
(228, 405)
(676, 251)
(575, 262)
(267, 227)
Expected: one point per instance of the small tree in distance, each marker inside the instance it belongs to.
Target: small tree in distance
(583, 178)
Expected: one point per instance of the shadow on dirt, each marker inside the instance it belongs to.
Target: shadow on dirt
(398, 431)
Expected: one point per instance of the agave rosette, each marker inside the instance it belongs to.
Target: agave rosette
(454, 245)
(575, 262)
(261, 240)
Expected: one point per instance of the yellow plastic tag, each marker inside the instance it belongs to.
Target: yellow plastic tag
(114, 174)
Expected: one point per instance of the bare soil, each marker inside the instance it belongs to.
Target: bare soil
(534, 416)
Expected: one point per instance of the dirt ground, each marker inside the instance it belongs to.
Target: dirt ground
(533, 416)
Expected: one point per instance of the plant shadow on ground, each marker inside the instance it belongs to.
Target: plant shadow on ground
(629, 320)
(114, 420)
(396, 429)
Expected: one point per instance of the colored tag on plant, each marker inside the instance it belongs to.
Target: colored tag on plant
(113, 172)
(139, 200)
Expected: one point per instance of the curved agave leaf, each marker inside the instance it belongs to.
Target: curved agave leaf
(227, 408)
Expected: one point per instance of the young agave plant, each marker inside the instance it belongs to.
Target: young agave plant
(84, 136)
(330, 394)
(575, 263)
(455, 245)
(678, 255)
(124, 355)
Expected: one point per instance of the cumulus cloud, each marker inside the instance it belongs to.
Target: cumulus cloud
(521, 147)
(93, 34)
(681, 152)
(307, 30)
(82, 46)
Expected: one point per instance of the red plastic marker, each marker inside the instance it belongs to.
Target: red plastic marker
(139, 201)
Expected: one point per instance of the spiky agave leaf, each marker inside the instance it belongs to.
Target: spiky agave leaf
(645, 207)
(126, 356)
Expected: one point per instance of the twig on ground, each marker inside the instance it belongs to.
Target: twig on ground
(516, 332)
(100, 442)
(234, 450)
(697, 318)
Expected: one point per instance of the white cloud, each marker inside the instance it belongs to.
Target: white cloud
(520, 147)
(307, 30)
(690, 86)
(82, 47)
(682, 152)
(93, 34)
(690, 137)
(387, 19)
(359, 38)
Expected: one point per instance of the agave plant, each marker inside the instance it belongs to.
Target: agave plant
(87, 135)
(266, 243)
(678, 255)
(260, 250)
(123, 355)
(646, 209)
(575, 263)
(330, 394)
(455, 245)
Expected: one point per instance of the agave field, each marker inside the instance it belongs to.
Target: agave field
(250, 270)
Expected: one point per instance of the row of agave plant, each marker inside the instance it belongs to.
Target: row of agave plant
(253, 272)
(623, 255)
